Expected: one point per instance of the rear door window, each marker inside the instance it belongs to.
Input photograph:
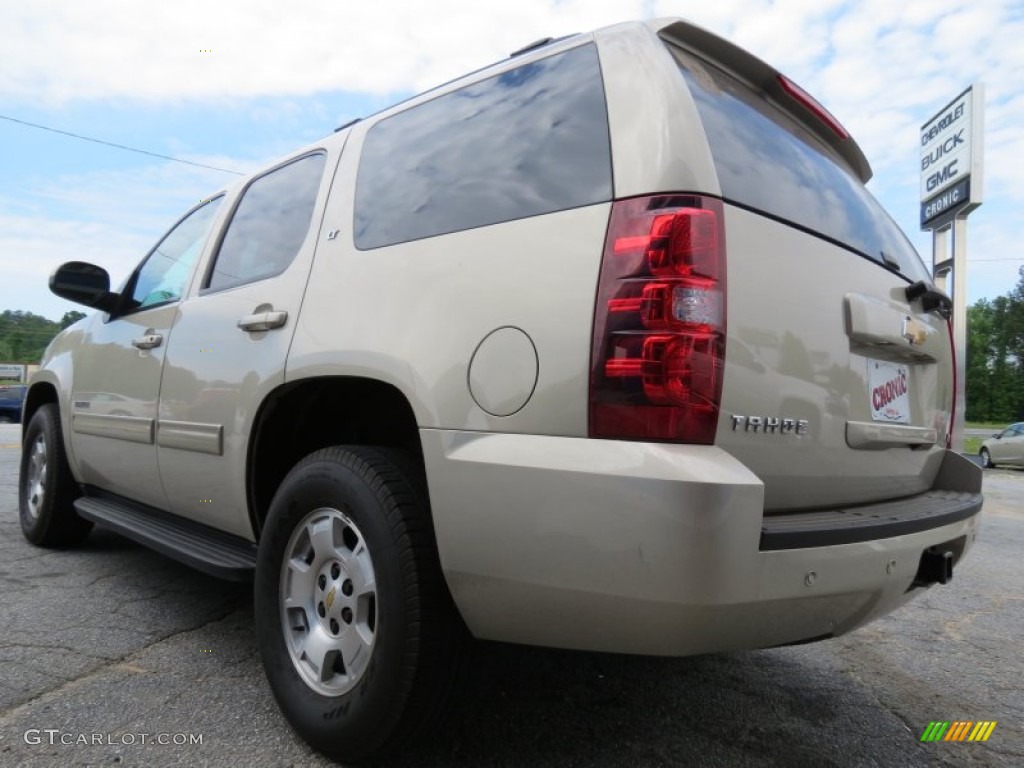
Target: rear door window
(269, 225)
(768, 162)
(529, 141)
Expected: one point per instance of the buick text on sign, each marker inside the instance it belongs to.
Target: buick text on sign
(946, 147)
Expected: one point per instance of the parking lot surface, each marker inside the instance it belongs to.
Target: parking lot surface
(114, 655)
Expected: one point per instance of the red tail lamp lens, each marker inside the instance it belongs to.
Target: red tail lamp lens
(659, 327)
(689, 245)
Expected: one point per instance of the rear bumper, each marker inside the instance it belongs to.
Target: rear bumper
(656, 549)
(955, 496)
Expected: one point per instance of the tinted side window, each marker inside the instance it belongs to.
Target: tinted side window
(767, 161)
(162, 276)
(269, 225)
(529, 141)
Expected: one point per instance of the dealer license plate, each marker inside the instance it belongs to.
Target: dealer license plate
(889, 391)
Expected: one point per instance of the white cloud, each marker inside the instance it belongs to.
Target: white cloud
(32, 246)
(57, 51)
(862, 59)
(885, 67)
(987, 277)
(881, 67)
(110, 218)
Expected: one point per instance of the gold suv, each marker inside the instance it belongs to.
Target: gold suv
(606, 346)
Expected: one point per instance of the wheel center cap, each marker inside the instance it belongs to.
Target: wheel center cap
(330, 598)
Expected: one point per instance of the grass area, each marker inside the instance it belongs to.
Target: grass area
(973, 444)
(995, 426)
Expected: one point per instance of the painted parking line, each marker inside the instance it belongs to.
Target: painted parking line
(10, 445)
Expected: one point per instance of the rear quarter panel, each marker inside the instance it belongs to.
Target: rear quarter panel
(658, 141)
(413, 314)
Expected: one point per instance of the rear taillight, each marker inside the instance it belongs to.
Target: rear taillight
(659, 322)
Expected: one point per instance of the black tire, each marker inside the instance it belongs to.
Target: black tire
(376, 497)
(46, 489)
(986, 459)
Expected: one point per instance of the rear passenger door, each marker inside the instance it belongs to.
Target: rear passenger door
(231, 339)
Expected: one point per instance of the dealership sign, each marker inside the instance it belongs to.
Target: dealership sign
(951, 163)
(10, 371)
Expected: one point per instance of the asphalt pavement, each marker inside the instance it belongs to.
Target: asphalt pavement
(114, 655)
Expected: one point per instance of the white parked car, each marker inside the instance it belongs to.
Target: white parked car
(606, 346)
(1005, 447)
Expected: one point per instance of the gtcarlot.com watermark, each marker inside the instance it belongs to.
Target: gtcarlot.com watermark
(55, 736)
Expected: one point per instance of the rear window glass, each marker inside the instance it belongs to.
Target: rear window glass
(529, 141)
(768, 162)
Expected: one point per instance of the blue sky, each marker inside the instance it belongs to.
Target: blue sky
(235, 84)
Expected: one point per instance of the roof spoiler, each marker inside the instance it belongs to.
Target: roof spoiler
(766, 79)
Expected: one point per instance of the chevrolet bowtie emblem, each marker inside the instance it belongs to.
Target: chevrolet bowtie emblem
(914, 332)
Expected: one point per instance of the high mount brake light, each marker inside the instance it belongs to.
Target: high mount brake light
(659, 324)
(813, 105)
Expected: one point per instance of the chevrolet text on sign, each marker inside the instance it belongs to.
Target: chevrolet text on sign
(945, 147)
(951, 157)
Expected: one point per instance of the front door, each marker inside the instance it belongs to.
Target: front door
(116, 386)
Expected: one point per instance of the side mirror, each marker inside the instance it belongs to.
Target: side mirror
(84, 283)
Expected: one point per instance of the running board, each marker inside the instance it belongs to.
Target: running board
(199, 546)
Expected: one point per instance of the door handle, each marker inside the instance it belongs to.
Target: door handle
(148, 341)
(263, 321)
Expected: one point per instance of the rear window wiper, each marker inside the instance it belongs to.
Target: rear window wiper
(932, 299)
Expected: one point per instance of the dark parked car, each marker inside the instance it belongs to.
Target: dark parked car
(11, 398)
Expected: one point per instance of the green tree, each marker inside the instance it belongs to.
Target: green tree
(70, 318)
(24, 336)
(980, 353)
(995, 357)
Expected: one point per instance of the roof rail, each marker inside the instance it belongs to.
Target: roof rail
(539, 44)
(343, 126)
(532, 46)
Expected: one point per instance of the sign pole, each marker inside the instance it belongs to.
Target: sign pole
(942, 265)
(951, 187)
(960, 327)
